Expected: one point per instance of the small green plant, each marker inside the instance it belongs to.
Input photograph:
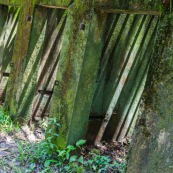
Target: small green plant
(50, 135)
(6, 123)
(21, 152)
(2, 163)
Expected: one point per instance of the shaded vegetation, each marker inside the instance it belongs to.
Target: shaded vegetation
(38, 156)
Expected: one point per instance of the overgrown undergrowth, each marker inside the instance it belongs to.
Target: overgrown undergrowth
(25, 156)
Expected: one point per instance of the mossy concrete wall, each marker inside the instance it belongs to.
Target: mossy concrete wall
(105, 4)
(44, 36)
(152, 145)
(77, 73)
(129, 5)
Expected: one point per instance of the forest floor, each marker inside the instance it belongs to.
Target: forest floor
(23, 150)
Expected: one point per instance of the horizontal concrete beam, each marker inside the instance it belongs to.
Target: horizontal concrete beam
(55, 4)
(119, 11)
(107, 10)
(49, 3)
(116, 6)
(144, 5)
(11, 3)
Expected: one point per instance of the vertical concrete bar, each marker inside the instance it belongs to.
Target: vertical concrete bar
(76, 74)
(25, 60)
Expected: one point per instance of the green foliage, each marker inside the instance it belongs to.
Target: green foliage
(65, 160)
(46, 157)
(50, 135)
(6, 123)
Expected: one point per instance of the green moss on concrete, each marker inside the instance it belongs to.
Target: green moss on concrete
(76, 75)
(87, 78)
(69, 72)
(18, 59)
(152, 147)
(55, 2)
(7, 44)
(130, 5)
(118, 4)
(29, 69)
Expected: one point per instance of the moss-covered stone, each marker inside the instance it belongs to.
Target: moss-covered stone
(65, 3)
(152, 146)
(76, 73)
(130, 4)
(25, 60)
(105, 4)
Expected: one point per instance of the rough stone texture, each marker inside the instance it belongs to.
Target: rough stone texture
(152, 146)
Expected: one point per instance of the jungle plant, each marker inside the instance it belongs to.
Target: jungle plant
(6, 123)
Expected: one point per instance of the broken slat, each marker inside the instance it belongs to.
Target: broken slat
(130, 87)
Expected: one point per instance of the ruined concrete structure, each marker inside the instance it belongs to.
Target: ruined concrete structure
(83, 62)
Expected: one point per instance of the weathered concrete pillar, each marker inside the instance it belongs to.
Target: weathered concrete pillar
(152, 144)
(26, 56)
(77, 72)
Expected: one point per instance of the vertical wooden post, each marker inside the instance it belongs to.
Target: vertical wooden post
(76, 74)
